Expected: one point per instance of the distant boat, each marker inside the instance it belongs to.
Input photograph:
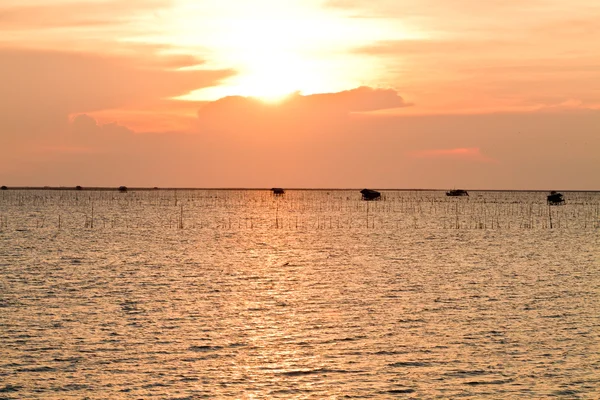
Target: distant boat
(457, 192)
(278, 191)
(555, 199)
(368, 194)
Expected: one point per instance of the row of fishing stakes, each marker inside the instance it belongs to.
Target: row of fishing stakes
(302, 210)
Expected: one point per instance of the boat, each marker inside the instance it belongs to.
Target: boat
(278, 191)
(555, 199)
(369, 195)
(457, 192)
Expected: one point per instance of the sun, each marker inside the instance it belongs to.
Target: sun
(273, 57)
(273, 76)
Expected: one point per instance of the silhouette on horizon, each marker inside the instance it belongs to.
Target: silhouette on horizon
(369, 195)
(457, 192)
(555, 199)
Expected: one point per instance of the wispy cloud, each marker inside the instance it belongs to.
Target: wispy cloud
(66, 15)
(463, 153)
(40, 87)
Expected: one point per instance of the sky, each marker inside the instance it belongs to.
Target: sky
(434, 94)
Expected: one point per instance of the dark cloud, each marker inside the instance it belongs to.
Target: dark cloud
(247, 113)
(356, 100)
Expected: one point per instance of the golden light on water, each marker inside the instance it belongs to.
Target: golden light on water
(436, 297)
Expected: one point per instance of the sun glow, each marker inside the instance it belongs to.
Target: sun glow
(270, 77)
(273, 76)
(277, 48)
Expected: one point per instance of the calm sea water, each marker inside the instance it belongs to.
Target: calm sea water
(313, 295)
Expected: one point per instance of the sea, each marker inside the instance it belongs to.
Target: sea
(314, 294)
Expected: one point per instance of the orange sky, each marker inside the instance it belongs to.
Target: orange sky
(501, 94)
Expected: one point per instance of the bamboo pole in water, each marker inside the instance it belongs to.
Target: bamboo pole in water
(277, 214)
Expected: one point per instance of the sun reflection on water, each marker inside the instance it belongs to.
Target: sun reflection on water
(221, 310)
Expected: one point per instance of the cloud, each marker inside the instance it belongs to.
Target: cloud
(168, 115)
(236, 111)
(361, 99)
(41, 88)
(84, 125)
(63, 15)
(461, 10)
(356, 100)
(416, 47)
(84, 135)
(87, 82)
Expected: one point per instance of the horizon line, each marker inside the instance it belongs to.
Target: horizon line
(148, 188)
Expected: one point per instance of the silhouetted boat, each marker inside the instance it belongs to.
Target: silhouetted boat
(368, 194)
(555, 199)
(457, 192)
(278, 191)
